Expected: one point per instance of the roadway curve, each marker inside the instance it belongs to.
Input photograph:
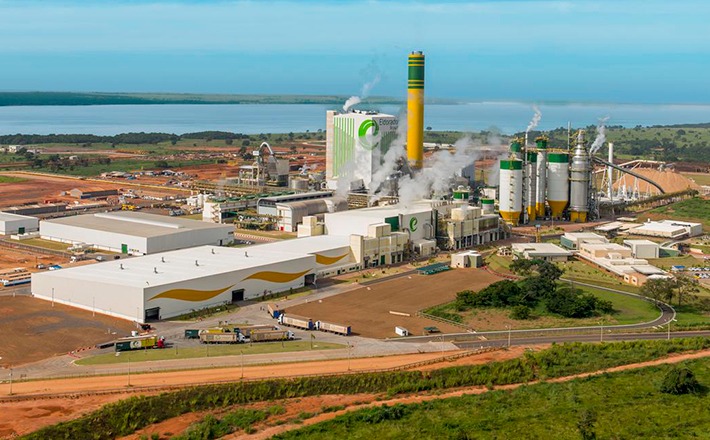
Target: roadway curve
(560, 334)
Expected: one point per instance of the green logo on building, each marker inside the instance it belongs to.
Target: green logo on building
(368, 142)
(413, 224)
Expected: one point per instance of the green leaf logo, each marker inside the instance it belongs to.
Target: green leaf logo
(371, 142)
(413, 222)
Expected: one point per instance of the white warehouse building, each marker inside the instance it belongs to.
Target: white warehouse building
(135, 233)
(17, 224)
(173, 283)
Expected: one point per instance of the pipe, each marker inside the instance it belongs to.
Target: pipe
(624, 170)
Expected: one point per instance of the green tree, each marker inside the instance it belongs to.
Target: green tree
(657, 289)
(685, 286)
(520, 312)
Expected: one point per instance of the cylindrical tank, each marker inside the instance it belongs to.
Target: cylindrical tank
(462, 193)
(511, 190)
(541, 176)
(557, 183)
(487, 206)
(516, 148)
(531, 184)
(579, 182)
(415, 110)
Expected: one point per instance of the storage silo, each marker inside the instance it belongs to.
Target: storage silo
(511, 190)
(531, 184)
(557, 183)
(541, 175)
(580, 171)
(487, 206)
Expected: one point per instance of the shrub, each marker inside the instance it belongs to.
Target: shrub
(680, 381)
(520, 312)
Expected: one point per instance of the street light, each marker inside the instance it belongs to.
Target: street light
(601, 331)
(118, 353)
(669, 327)
(509, 331)
(349, 347)
(242, 356)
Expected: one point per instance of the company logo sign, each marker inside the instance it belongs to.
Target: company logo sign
(413, 222)
(368, 134)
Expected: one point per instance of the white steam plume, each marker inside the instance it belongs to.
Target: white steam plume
(437, 172)
(601, 135)
(391, 159)
(364, 93)
(500, 150)
(535, 120)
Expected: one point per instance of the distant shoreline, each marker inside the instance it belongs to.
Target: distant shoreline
(16, 99)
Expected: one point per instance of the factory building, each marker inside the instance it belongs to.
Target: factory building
(134, 233)
(290, 214)
(669, 229)
(17, 224)
(540, 251)
(92, 193)
(172, 283)
(267, 205)
(469, 226)
(643, 248)
(356, 143)
(619, 260)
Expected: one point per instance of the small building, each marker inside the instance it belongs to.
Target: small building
(267, 205)
(135, 233)
(673, 229)
(540, 251)
(573, 240)
(35, 209)
(92, 193)
(290, 214)
(643, 248)
(17, 224)
(466, 259)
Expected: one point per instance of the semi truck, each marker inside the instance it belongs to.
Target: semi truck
(247, 330)
(271, 335)
(274, 310)
(222, 338)
(332, 327)
(140, 342)
(296, 321)
(192, 333)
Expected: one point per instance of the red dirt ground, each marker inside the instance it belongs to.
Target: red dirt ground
(367, 309)
(37, 188)
(34, 330)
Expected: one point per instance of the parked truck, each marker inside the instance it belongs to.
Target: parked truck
(222, 338)
(271, 335)
(274, 310)
(332, 327)
(140, 342)
(296, 321)
(192, 333)
(247, 330)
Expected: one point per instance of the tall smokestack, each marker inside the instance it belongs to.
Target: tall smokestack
(415, 111)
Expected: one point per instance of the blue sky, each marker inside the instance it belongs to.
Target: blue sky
(610, 51)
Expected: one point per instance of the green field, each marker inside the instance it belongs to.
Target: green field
(11, 179)
(207, 351)
(699, 178)
(692, 210)
(47, 244)
(626, 405)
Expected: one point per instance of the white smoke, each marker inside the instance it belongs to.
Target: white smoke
(364, 93)
(393, 156)
(535, 120)
(601, 135)
(438, 171)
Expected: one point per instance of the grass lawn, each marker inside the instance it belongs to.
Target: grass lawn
(193, 216)
(692, 210)
(11, 179)
(46, 244)
(207, 351)
(499, 264)
(623, 405)
(585, 273)
(628, 310)
(689, 316)
(699, 178)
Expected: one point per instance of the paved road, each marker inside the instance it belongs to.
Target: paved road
(605, 337)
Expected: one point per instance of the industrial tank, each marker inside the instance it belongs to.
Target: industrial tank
(299, 183)
(558, 183)
(541, 175)
(462, 193)
(487, 206)
(579, 182)
(511, 190)
(516, 148)
(531, 184)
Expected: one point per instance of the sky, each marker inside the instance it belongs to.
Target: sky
(584, 51)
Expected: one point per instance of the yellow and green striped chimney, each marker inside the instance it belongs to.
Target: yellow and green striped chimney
(415, 111)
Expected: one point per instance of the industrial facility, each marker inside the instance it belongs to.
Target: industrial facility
(134, 233)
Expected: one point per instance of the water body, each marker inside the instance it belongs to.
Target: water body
(508, 117)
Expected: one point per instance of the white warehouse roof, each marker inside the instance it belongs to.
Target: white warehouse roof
(541, 249)
(8, 217)
(137, 224)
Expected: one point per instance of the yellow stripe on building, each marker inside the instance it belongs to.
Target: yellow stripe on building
(276, 277)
